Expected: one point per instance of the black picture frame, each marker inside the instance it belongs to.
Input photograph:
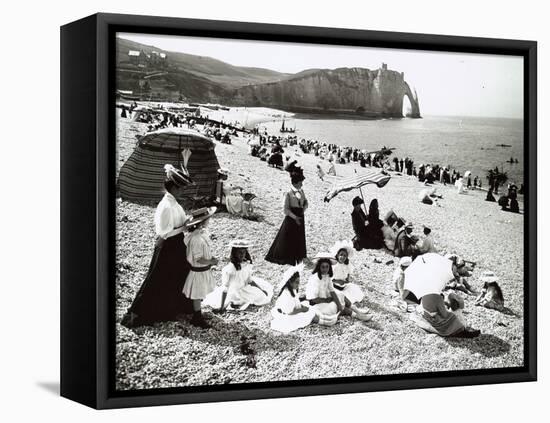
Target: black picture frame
(87, 231)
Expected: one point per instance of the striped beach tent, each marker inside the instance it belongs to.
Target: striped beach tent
(141, 178)
(368, 176)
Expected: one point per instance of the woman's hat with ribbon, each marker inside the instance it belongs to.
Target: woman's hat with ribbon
(177, 176)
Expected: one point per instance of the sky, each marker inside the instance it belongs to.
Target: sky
(453, 84)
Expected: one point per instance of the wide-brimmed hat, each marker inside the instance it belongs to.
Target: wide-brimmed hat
(199, 215)
(342, 245)
(488, 276)
(291, 271)
(223, 171)
(177, 176)
(325, 255)
(240, 243)
(409, 225)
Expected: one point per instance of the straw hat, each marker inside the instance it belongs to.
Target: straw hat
(405, 261)
(326, 256)
(488, 276)
(342, 245)
(223, 171)
(199, 215)
(409, 225)
(240, 243)
(287, 275)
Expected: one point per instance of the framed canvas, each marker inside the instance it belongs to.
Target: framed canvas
(259, 211)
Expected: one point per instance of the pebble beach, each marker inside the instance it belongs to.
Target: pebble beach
(241, 347)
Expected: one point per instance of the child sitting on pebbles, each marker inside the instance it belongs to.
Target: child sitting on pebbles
(289, 313)
(343, 251)
(239, 288)
(322, 295)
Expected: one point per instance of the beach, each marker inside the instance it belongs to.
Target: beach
(241, 347)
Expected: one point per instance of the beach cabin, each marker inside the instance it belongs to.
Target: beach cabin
(141, 177)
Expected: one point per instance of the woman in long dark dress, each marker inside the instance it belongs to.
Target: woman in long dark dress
(373, 231)
(160, 296)
(289, 246)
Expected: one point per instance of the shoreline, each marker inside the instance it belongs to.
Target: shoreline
(184, 356)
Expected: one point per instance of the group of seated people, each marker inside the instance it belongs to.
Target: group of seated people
(233, 197)
(329, 291)
(392, 233)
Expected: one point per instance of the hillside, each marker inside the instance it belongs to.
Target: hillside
(152, 73)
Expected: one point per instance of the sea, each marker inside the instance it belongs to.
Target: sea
(462, 143)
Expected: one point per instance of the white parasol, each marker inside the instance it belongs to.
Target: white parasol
(428, 274)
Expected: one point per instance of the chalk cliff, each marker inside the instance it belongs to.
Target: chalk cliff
(376, 93)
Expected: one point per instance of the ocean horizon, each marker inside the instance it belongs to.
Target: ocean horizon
(461, 142)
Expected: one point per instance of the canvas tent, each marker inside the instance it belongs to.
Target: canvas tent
(141, 178)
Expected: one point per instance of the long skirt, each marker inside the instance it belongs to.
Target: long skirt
(448, 326)
(160, 296)
(289, 246)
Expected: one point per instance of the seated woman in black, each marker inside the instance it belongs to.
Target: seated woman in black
(276, 158)
(368, 229)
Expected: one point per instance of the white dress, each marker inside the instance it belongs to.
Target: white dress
(233, 199)
(351, 291)
(285, 322)
(322, 288)
(198, 284)
(239, 291)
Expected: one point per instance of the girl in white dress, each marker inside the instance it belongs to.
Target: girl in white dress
(199, 282)
(289, 313)
(322, 295)
(343, 250)
(239, 288)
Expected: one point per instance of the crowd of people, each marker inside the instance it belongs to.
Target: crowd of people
(180, 279)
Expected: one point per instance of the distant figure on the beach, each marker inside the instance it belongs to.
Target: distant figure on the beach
(123, 114)
(503, 202)
(276, 157)
(405, 243)
(490, 197)
(160, 296)
(331, 168)
(513, 196)
(320, 172)
(427, 245)
(289, 246)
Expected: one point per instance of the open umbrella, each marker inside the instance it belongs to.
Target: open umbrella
(366, 177)
(428, 274)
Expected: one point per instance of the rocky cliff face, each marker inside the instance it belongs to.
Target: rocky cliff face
(376, 93)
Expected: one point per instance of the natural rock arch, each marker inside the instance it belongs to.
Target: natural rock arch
(413, 99)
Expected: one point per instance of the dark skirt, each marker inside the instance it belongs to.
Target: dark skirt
(289, 246)
(160, 296)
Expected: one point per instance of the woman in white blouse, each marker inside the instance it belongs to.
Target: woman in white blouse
(160, 296)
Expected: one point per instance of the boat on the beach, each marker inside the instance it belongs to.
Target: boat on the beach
(286, 129)
(503, 145)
